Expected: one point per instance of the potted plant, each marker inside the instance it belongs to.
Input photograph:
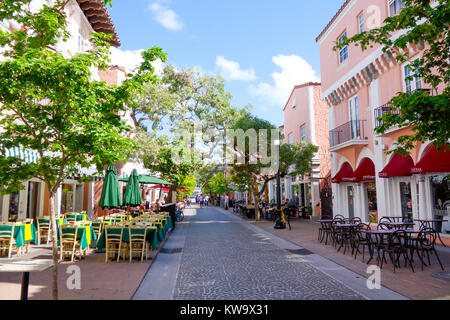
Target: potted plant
(309, 212)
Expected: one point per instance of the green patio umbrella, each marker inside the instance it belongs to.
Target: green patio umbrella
(110, 193)
(132, 197)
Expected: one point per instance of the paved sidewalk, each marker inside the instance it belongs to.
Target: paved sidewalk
(99, 280)
(220, 256)
(414, 285)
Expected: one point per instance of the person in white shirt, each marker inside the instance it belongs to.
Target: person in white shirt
(226, 199)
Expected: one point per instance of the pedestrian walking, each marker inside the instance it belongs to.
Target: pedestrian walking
(148, 199)
(226, 201)
(201, 201)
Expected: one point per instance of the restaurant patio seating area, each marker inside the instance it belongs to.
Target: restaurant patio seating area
(396, 238)
(416, 285)
(78, 235)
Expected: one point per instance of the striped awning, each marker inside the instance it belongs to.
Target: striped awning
(29, 156)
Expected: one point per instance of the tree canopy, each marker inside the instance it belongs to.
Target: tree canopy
(52, 105)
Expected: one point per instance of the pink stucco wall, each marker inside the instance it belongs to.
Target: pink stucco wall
(296, 117)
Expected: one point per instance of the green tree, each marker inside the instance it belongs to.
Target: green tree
(219, 184)
(204, 173)
(186, 100)
(424, 23)
(50, 104)
(174, 162)
(294, 159)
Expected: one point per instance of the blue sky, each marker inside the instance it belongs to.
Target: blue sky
(262, 48)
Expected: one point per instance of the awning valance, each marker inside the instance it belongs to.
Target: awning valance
(344, 175)
(365, 171)
(29, 156)
(433, 161)
(398, 166)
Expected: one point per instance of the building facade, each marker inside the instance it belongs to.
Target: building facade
(306, 119)
(357, 85)
(84, 17)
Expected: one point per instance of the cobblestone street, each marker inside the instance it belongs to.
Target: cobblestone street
(224, 257)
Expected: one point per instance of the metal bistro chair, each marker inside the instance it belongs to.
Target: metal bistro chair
(362, 239)
(335, 231)
(397, 246)
(425, 243)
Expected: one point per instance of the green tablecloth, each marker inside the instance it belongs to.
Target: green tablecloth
(151, 237)
(85, 234)
(78, 216)
(21, 235)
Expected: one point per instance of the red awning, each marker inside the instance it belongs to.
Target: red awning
(433, 161)
(398, 166)
(365, 171)
(345, 174)
(164, 188)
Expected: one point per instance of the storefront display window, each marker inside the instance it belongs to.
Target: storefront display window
(406, 200)
(67, 198)
(372, 201)
(13, 206)
(440, 186)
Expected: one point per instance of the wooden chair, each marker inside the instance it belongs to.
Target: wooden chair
(7, 242)
(137, 242)
(43, 229)
(97, 226)
(113, 241)
(70, 219)
(68, 242)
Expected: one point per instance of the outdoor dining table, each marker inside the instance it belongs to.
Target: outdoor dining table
(23, 233)
(399, 225)
(85, 234)
(380, 236)
(151, 236)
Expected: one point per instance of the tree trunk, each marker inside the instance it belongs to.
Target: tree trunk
(255, 198)
(53, 236)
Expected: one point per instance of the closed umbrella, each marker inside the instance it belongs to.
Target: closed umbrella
(132, 197)
(110, 193)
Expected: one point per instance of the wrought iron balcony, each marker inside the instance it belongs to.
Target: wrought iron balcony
(352, 130)
(378, 112)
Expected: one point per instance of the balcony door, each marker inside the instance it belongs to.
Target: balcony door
(354, 117)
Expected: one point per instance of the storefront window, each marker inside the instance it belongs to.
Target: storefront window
(13, 206)
(67, 198)
(372, 201)
(406, 200)
(440, 186)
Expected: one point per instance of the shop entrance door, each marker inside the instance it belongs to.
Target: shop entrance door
(32, 203)
(351, 212)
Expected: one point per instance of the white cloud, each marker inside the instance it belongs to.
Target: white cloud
(294, 71)
(231, 70)
(131, 59)
(166, 17)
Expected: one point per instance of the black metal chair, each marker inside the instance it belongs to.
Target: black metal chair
(325, 231)
(397, 246)
(361, 238)
(425, 243)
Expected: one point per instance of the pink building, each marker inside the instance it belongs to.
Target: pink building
(357, 85)
(306, 119)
